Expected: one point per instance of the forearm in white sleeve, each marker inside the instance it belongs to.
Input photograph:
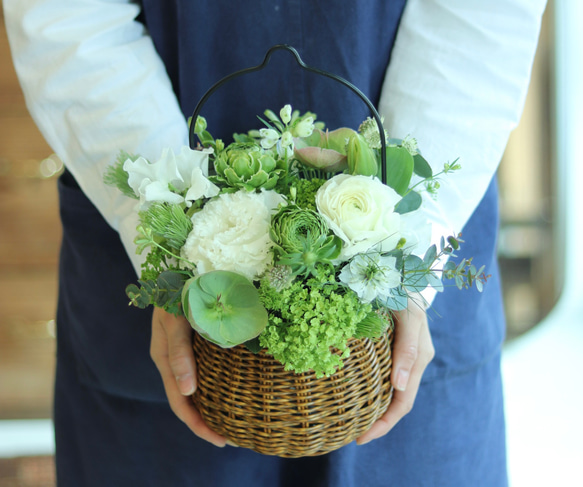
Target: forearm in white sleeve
(94, 85)
(457, 82)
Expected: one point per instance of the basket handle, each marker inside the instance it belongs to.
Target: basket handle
(303, 65)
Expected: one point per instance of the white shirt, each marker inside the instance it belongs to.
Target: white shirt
(94, 84)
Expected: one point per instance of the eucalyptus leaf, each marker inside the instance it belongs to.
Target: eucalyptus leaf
(414, 277)
(430, 256)
(224, 308)
(434, 281)
(138, 296)
(410, 202)
(422, 167)
(398, 300)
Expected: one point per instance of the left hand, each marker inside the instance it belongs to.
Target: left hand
(412, 352)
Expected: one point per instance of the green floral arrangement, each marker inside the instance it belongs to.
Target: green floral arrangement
(286, 240)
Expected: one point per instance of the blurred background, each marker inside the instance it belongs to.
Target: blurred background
(534, 228)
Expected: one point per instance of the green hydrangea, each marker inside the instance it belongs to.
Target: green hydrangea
(306, 192)
(307, 321)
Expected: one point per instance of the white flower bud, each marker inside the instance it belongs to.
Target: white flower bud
(305, 127)
(269, 138)
(285, 114)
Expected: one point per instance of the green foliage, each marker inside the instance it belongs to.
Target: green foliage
(168, 222)
(302, 240)
(116, 176)
(400, 166)
(421, 167)
(247, 166)
(308, 320)
(306, 190)
(224, 308)
(164, 292)
(410, 202)
(372, 326)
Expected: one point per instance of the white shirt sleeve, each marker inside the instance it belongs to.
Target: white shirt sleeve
(94, 84)
(457, 81)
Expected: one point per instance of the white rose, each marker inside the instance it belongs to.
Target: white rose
(231, 233)
(172, 178)
(360, 210)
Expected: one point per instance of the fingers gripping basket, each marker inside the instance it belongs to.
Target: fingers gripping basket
(252, 401)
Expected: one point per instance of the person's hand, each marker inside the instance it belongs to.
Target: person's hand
(412, 352)
(171, 350)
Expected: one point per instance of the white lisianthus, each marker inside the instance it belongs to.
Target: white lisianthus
(371, 276)
(171, 179)
(231, 233)
(360, 210)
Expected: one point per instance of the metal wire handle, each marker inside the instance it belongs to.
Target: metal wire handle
(303, 65)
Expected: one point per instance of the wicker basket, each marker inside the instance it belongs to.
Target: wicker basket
(253, 402)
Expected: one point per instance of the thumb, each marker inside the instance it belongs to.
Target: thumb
(180, 353)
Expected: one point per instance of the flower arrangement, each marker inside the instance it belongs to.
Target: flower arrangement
(286, 240)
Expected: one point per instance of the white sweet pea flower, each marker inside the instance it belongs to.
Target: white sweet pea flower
(171, 179)
(231, 233)
(360, 210)
(371, 276)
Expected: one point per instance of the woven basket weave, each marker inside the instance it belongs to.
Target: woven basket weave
(253, 402)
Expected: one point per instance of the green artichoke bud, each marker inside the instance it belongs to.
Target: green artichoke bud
(302, 240)
(248, 167)
(360, 157)
(224, 307)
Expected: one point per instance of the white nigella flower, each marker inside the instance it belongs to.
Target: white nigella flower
(231, 233)
(371, 276)
(172, 178)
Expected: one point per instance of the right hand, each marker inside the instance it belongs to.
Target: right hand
(171, 350)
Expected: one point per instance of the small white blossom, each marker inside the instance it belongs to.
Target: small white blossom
(371, 276)
(287, 139)
(285, 114)
(305, 127)
(269, 138)
(410, 144)
(369, 129)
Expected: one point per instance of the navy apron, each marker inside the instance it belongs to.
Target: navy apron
(113, 424)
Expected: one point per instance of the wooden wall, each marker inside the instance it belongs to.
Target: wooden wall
(29, 242)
